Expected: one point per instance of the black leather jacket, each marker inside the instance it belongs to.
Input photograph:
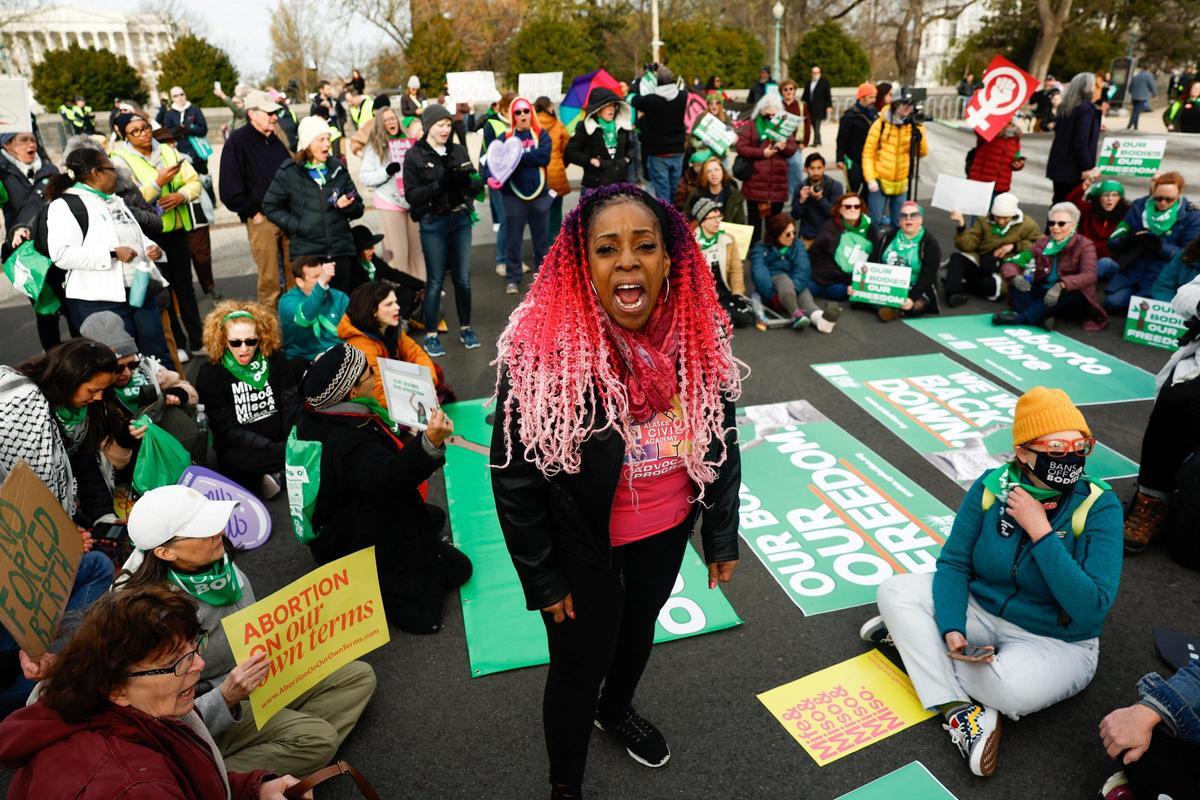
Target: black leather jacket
(541, 516)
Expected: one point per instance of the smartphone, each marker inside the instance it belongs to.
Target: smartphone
(216, 86)
(109, 530)
(973, 652)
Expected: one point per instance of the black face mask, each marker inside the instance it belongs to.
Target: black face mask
(1060, 473)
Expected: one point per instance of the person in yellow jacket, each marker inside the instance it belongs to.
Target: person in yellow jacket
(887, 156)
(163, 175)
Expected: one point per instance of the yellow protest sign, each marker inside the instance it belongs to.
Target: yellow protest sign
(310, 628)
(742, 234)
(842, 709)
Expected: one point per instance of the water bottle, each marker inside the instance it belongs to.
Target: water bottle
(139, 284)
(201, 417)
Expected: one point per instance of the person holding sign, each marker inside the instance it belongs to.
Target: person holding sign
(888, 158)
(1155, 229)
(527, 195)
(602, 466)
(982, 248)
(1102, 206)
(760, 142)
(1057, 278)
(117, 713)
(1010, 622)
(600, 144)
(912, 246)
(721, 253)
(847, 240)
(369, 493)
(180, 539)
(782, 275)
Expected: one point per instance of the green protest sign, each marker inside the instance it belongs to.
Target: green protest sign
(880, 284)
(958, 420)
(782, 126)
(714, 134)
(828, 518)
(501, 633)
(1154, 322)
(1026, 357)
(910, 782)
(1131, 158)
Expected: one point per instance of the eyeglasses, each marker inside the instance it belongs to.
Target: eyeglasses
(1060, 447)
(180, 667)
(1058, 223)
(131, 131)
(788, 234)
(907, 215)
(251, 342)
(1161, 199)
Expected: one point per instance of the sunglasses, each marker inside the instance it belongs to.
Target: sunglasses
(851, 206)
(525, 112)
(1061, 447)
(910, 215)
(235, 343)
(1058, 223)
(124, 368)
(1165, 199)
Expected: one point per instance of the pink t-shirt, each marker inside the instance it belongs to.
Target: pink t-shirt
(657, 497)
(397, 149)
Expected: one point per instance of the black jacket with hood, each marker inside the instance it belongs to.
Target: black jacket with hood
(436, 185)
(588, 142)
(24, 195)
(305, 211)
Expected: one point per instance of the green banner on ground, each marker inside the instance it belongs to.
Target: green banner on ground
(910, 782)
(1027, 357)
(828, 518)
(958, 420)
(1154, 322)
(501, 633)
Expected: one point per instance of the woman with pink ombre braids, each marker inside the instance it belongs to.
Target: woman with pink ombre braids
(614, 439)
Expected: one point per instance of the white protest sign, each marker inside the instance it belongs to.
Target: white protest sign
(952, 193)
(14, 105)
(409, 391)
(471, 87)
(880, 284)
(532, 85)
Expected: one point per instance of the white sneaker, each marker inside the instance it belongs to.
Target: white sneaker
(525, 268)
(183, 356)
(994, 296)
(820, 323)
(501, 270)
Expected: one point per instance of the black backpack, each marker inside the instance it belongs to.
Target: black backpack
(41, 238)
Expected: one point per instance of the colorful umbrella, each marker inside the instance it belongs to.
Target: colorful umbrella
(573, 105)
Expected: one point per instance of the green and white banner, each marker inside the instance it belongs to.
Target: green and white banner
(829, 518)
(958, 420)
(1026, 357)
(1130, 157)
(501, 633)
(880, 284)
(1154, 322)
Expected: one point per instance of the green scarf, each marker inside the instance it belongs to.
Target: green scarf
(368, 267)
(217, 585)
(255, 373)
(70, 418)
(609, 129)
(853, 245)
(905, 251)
(1160, 223)
(1000, 480)
(705, 241)
(94, 191)
(372, 405)
(318, 172)
(1054, 247)
(129, 393)
(760, 125)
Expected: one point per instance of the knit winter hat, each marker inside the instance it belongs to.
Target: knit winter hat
(108, 329)
(414, 82)
(381, 101)
(1103, 187)
(1005, 205)
(1041, 411)
(310, 128)
(120, 121)
(864, 90)
(700, 209)
(432, 115)
(332, 376)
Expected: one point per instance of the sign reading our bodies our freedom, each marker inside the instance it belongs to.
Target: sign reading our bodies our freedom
(1154, 322)
(958, 420)
(1131, 157)
(310, 628)
(880, 284)
(828, 518)
(1026, 357)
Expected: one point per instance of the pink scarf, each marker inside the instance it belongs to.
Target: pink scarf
(648, 362)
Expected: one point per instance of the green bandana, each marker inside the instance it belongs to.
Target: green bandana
(129, 393)
(1054, 247)
(255, 373)
(318, 172)
(218, 585)
(705, 241)
(1104, 187)
(904, 251)
(853, 245)
(368, 267)
(71, 418)
(609, 129)
(94, 191)
(1160, 223)
(1000, 480)
(372, 405)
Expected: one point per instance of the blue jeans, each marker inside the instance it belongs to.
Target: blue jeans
(1106, 267)
(665, 174)
(1136, 109)
(885, 208)
(1031, 307)
(446, 241)
(635, 156)
(94, 577)
(830, 291)
(1138, 278)
(496, 204)
(143, 324)
(517, 213)
(795, 171)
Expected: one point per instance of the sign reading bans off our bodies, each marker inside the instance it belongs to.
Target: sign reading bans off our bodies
(310, 628)
(829, 518)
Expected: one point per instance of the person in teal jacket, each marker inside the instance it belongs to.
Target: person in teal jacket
(309, 313)
(1010, 621)
(1183, 268)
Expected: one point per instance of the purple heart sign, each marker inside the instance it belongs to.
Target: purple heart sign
(503, 157)
(250, 525)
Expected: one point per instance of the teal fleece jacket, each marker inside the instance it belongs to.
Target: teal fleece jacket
(1062, 586)
(303, 337)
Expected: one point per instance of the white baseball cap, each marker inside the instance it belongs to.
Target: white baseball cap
(169, 512)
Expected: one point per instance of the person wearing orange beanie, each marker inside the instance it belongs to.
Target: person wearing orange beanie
(1010, 621)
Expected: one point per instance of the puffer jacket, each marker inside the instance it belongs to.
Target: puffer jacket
(766, 261)
(556, 170)
(438, 185)
(984, 237)
(768, 183)
(1186, 228)
(588, 142)
(994, 160)
(1076, 271)
(374, 348)
(306, 212)
(885, 154)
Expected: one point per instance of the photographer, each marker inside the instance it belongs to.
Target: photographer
(1166, 499)
(812, 202)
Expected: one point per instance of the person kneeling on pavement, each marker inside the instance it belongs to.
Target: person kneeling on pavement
(721, 253)
(1168, 487)
(180, 539)
(982, 248)
(1057, 278)
(1010, 622)
(369, 491)
(310, 311)
(912, 246)
(144, 386)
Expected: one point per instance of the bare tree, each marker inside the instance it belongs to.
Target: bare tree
(917, 15)
(180, 17)
(392, 17)
(1053, 15)
(299, 44)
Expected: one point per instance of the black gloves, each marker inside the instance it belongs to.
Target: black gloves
(393, 168)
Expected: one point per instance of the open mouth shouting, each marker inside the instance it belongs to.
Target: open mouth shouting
(630, 297)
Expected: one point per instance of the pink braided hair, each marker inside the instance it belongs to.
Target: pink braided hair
(561, 365)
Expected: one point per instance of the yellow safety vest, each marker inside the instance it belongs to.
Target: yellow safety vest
(144, 172)
(361, 115)
(74, 114)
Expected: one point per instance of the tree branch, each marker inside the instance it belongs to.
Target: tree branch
(853, 5)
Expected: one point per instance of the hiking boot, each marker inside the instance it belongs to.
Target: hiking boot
(1116, 788)
(468, 338)
(644, 743)
(975, 730)
(1145, 521)
(889, 313)
(875, 631)
(800, 320)
(433, 346)
(1005, 317)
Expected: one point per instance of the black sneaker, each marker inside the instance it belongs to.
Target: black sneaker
(644, 743)
(875, 632)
